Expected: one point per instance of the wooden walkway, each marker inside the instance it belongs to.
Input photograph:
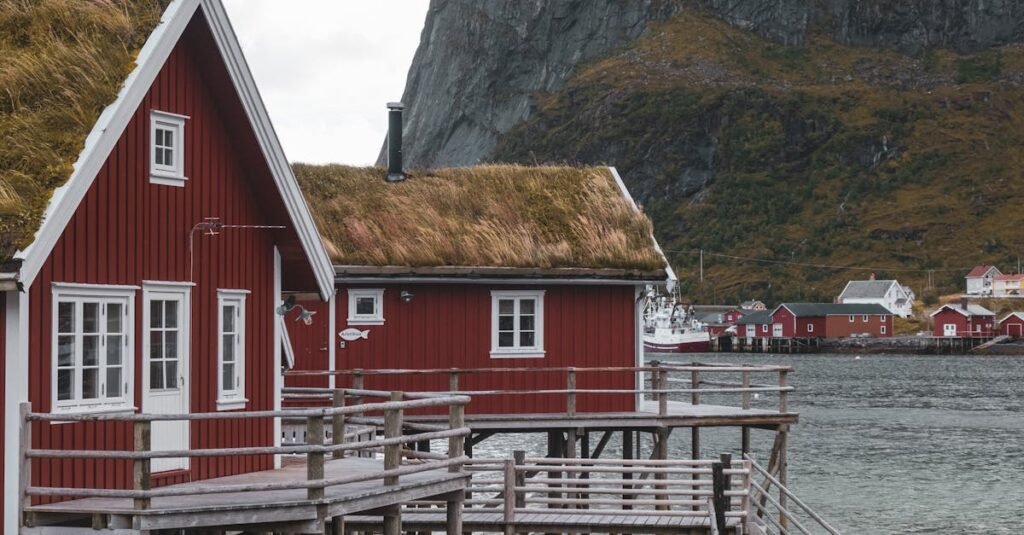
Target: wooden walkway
(275, 508)
(547, 522)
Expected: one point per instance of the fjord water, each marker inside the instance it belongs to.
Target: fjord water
(899, 443)
(885, 444)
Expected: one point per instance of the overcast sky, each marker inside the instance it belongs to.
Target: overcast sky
(326, 69)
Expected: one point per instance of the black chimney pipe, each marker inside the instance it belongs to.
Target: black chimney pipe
(395, 173)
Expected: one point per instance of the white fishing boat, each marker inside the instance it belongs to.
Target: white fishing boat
(670, 327)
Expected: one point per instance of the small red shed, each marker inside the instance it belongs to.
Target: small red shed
(1012, 325)
(754, 324)
(145, 277)
(488, 267)
(964, 320)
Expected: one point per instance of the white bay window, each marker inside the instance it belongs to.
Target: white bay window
(517, 324)
(93, 348)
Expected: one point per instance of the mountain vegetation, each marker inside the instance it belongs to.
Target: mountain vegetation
(822, 161)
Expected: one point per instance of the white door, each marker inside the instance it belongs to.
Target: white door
(949, 329)
(165, 369)
(777, 330)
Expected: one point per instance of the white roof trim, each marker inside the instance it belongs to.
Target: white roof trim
(115, 118)
(1018, 315)
(955, 307)
(672, 279)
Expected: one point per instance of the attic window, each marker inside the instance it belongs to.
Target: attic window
(366, 306)
(167, 148)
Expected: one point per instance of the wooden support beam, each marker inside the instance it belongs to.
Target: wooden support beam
(141, 473)
(601, 444)
(393, 429)
(315, 461)
(393, 520)
(718, 499)
(570, 385)
(627, 454)
(338, 422)
(661, 453)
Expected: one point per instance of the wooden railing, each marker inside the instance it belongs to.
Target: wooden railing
(659, 375)
(315, 450)
(716, 490)
(774, 515)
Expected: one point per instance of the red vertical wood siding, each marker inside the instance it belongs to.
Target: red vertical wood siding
(449, 325)
(965, 325)
(310, 343)
(1011, 326)
(840, 326)
(127, 231)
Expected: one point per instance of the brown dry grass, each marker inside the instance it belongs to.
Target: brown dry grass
(496, 215)
(63, 61)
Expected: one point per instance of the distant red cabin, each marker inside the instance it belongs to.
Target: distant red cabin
(134, 299)
(1012, 325)
(963, 320)
(828, 320)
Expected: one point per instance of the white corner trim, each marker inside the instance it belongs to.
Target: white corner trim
(104, 135)
(286, 344)
(672, 279)
(16, 393)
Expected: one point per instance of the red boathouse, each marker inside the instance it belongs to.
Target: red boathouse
(963, 320)
(145, 277)
(484, 267)
(830, 320)
(1012, 325)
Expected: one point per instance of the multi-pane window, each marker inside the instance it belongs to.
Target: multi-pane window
(231, 349)
(517, 323)
(365, 306)
(92, 349)
(167, 157)
(164, 344)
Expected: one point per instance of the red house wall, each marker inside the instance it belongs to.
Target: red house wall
(449, 325)
(310, 343)
(785, 317)
(949, 316)
(1011, 326)
(126, 231)
(840, 326)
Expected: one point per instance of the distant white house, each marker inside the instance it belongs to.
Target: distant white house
(892, 295)
(753, 304)
(980, 280)
(1008, 285)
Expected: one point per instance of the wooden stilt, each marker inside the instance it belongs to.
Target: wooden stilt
(627, 454)
(393, 520)
(454, 513)
(661, 453)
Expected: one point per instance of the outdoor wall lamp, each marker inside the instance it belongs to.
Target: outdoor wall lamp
(406, 296)
(305, 316)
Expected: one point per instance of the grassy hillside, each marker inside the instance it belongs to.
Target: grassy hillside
(821, 155)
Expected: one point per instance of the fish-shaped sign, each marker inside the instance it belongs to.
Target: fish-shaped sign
(352, 334)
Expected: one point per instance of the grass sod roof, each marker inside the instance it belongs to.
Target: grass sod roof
(64, 61)
(484, 216)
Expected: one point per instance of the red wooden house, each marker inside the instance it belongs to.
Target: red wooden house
(484, 267)
(830, 320)
(754, 324)
(146, 276)
(1012, 325)
(963, 319)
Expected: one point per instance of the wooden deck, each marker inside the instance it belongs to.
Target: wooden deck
(268, 509)
(680, 414)
(547, 522)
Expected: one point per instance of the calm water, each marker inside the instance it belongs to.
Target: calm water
(890, 444)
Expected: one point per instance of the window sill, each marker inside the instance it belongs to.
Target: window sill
(167, 179)
(231, 404)
(367, 321)
(537, 354)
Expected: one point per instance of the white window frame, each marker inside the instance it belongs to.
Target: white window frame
(168, 291)
(377, 318)
(810, 327)
(882, 331)
(104, 294)
(764, 328)
(164, 174)
(852, 318)
(864, 318)
(537, 350)
(235, 398)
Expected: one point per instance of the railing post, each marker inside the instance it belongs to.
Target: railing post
(726, 460)
(358, 383)
(456, 445)
(315, 460)
(695, 386)
(745, 499)
(25, 444)
(718, 486)
(745, 431)
(510, 496)
(783, 395)
(141, 467)
(338, 423)
(570, 385)
(662, 394)
(453, 381)
(393, 429)
(519, 456)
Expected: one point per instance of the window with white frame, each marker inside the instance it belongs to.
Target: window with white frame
(366, 306)
(231, 349)
(810, 327)
(517, 323)
(851, 319)
(764, 328)
(882, 331)
(167, 148)
(93, 349)
(864, 318)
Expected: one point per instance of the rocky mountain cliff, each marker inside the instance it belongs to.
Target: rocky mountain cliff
(876, 133)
